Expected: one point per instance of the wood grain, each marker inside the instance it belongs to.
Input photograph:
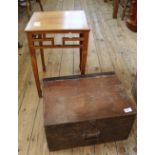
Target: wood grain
(57, 20)
(82, 99)
(76, 113)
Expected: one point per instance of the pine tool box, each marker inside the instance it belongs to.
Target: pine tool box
(82, 110)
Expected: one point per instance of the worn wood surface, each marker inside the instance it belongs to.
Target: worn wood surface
(83, 110)
(57, 21)
(71, 99)
(112, 48)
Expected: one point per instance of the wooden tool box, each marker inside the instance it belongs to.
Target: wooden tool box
(86, 109)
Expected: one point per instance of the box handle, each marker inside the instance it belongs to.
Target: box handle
(94, 135)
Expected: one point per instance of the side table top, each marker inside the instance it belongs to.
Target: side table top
(57, 21)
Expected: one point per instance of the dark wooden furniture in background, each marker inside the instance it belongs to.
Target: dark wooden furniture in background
(115, 8)
(132, 18)
(86, 109)
(27, 4)
(125, 5)
(42, 24)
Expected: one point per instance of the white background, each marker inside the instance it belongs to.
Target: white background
(9, 77)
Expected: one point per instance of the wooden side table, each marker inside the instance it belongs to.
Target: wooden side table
(42, 24)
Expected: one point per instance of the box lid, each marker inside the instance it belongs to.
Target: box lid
(81, 98)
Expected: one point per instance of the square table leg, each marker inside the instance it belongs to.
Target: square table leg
(84, 52)
(34, 64)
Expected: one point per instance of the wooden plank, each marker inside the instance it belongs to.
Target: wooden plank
(117, 65)
(50, 5)
(38, 144)
(23, 61)
(106, 149)
(26, 117)
(67, 54)
(76, 59)
(116, 46)
(127, 147)
(66, 68)
(45, 149)
(53, 67)
(92, 60)
(87, 150)
(77, 5)
(134, 130)
(129, 54)
(36, 141)
(102, 51)
(24, 58)
(132, 36)
(94, 66)
(66, 62)
(68, 5)
(76, 52)
(23, 73)
(62, 152)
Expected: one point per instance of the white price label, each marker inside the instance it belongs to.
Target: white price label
(126, 110)
(37, 24)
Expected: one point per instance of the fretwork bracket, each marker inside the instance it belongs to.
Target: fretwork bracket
(42, 39)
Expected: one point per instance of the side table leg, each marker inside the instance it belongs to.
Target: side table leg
(84, 52)
(34, 65)
(115, 8)
(35, 71)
